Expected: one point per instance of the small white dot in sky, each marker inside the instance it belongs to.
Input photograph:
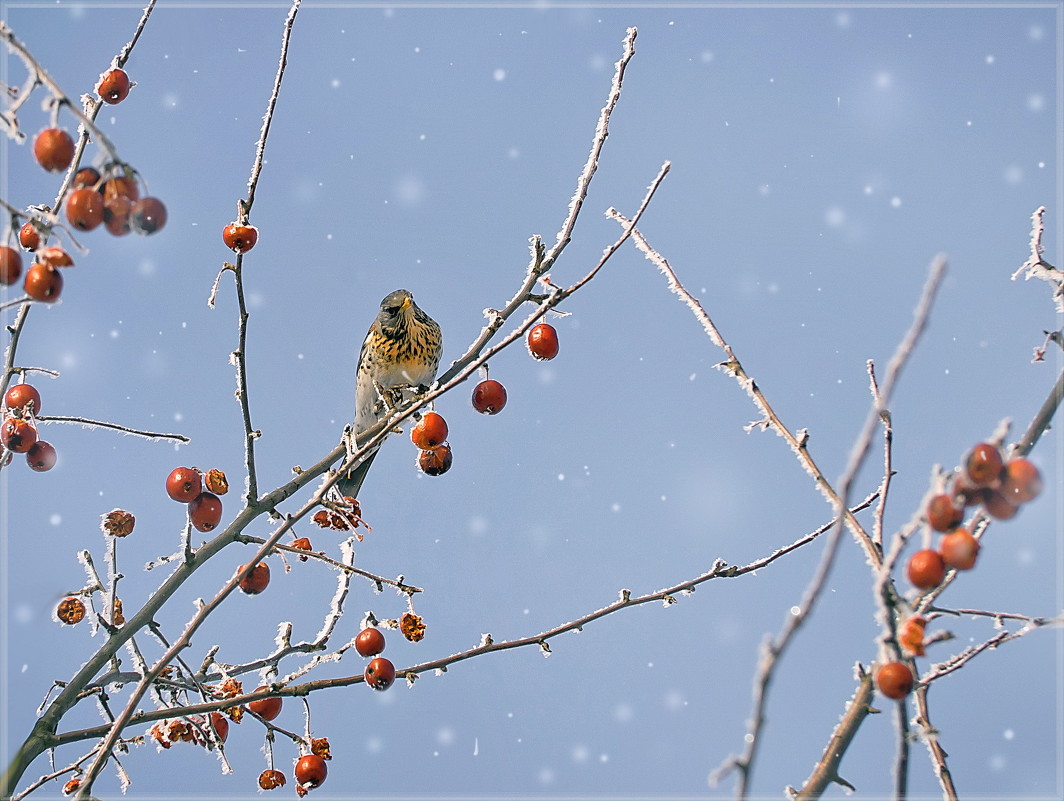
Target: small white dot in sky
(1036, 102)
(842, 19)
(834, 216)
(796, 610)
(421, 138)
(706, 56)
(615, 507)
(499, 75)
(1036, 33)
(895, 202)
(335, 83)
(178, 417)
(513, 153)
(1013, 175)
(580, 754)
(561, 476)
(990, 59)
(55, 520)
(1041, 165)
(1008, 734)
(299, 356)
(884, 80)
(417, 49)
(114, 333)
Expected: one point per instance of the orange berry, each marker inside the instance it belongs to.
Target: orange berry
(84, 209)
(54, 149)
(255, 581)
(240, 238)
(959, 549)
(1022, 481)
(29, 236)
(266, 708)
(43, 282)
(54, 257)
(369, 642)
(205, 510)
(23, 396)
(926, 569)
(184, 484)
(895, 680)
(999, 506)
(543, 341)
(113, 86)
(220, 725)
(429, 432)
(911, 635)
(310, 770)
(86, 178)
(943, 514)
(983, 465)
(435, 462)
(17, 435)
(302, 544)
(120, 186)
(380, 673)
(489, 397)
(10, 265)
(116, 215)
(147, 216)
(41, 456)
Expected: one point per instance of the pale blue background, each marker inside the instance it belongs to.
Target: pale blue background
(821, 158)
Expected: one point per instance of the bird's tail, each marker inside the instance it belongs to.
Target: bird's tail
(350, 484)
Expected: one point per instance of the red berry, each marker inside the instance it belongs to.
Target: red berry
(1022, 482)
(147, 216)
(116, 215)
(184, 484)
(255, 581)
(430, 431)
(43, 282)
(120, 186)
(240, 238)
(998, 506)
(369, 642)
(271, 779)
(380, 673)
(10, 265)
(310, 770)
(41, 456)
(17, 435)
(205, 510)
(489, 397)
(54, 149)
(20, 396)
(113, 86)
(983, 465)
(266, 708)
(29, 237)
(895, 680)
(943, 514)
(221, 725)
(543, 341)
(926, 569)
(84, 209)
(86, 178)
(959, 549)
(435, 462)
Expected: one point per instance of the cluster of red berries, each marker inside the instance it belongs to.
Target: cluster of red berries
(186, 485)
(1000, 486)
(43, 279)
(985, 478)
(18, 432)
(380, 672)
(429, 434)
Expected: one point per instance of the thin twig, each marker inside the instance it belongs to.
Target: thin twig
(87, 423)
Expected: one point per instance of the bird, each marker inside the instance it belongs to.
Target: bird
(401, 351)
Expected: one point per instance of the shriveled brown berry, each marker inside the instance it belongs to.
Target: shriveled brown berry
(926, 569)
(118, 523)
(429, 432)
(320, 746)
(943, 513)
(10, 265)
(302, 544)
(216, 481)
(412, 627)
(24, 397)
(43, 282)
(147, 216)
(71, 610)
(84, 209)
(1022, 482)
(959, 549)
(71, 786)
(41, 457)
(257, 580)
(240, 238)
(435, 462)
(895, 680)
(54, 149)
(17, 435)
(113, 86)
(271, 779)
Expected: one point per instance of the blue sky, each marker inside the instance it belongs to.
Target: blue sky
(821, 158)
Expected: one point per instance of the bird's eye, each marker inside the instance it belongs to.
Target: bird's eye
(393, 310)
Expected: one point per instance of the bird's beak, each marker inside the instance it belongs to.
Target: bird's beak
(406, 304)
